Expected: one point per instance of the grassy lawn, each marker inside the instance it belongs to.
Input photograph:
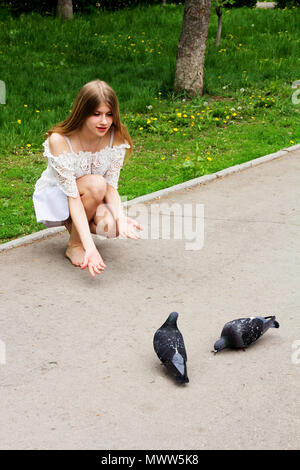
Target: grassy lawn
(246, 110)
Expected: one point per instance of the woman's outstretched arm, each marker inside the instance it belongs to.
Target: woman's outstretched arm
(126, 225)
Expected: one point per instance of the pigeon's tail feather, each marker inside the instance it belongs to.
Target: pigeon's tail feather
(177, 367)
(182, 380)
(273, 323)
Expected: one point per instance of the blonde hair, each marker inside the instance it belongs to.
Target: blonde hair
(89, 98)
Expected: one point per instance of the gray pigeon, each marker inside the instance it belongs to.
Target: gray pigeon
(240, 333)
(169, 346)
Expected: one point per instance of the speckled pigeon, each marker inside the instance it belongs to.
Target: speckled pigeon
(169, 346)
(240, 333)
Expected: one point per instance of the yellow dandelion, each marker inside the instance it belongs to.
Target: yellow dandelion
(163, 158)
(292, 142)
(141, 128)
(25, 105)
(28, 145)
(179, 114)
(37, 111)
(208, 158)
(148, 121)
(234, 114)
(175, 129)
(19, 121)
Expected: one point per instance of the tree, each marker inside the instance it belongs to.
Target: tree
(218, 5)
(191, 47)
(65, 9)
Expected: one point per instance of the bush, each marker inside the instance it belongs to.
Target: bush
(44, 7)
(17, 7)
(288, 3)
(242, 3)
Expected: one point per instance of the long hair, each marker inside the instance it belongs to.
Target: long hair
(89, 98)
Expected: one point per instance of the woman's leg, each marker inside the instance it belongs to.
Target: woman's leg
(92, 189)
(104, 222)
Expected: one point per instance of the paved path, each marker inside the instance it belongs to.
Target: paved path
(265, 4)
(80, 368)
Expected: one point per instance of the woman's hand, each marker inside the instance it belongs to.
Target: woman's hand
(126, 227)
(93, 261)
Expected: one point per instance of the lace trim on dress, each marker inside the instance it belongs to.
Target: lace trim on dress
(68, 166)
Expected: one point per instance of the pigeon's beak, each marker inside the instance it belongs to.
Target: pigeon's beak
(215, 351)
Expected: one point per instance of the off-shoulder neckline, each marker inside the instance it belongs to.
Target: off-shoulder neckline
(85, 152)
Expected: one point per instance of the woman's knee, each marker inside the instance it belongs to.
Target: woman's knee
(94, 185)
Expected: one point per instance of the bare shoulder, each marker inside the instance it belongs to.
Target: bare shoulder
(118, 138)
(57, 144)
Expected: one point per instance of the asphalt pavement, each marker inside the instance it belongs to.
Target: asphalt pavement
(77, 365)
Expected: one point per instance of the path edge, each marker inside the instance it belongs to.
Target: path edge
(42, 234)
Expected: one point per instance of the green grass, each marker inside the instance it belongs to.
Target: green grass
(246, 110)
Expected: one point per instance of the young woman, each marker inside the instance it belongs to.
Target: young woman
(79, 187)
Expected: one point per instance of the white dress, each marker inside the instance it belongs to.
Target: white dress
(58, 181)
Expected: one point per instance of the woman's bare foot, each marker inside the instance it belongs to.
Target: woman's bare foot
(75, 253)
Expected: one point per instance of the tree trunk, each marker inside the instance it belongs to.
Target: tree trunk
(65, 9)
(191, 47)
(219, 13)
(2, 92)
